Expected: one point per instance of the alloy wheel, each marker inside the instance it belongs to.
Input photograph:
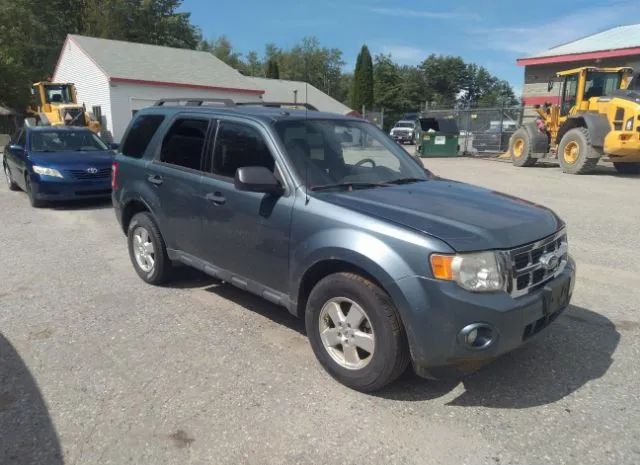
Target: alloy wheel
(346, 333)
(143, 249)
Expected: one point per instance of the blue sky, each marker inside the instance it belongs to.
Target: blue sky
(490, 33)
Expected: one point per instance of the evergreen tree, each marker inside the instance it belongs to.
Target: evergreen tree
(362, 93)
(273, 71)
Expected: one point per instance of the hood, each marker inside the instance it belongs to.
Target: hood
(466, 217)
(75, 158)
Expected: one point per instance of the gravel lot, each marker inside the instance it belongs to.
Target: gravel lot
(97, 367)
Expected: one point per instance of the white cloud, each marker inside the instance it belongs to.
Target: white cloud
(530, 39)
(404, 54)
(409, 13)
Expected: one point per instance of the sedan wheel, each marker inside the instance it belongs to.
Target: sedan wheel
(346, 333)
(143, 249)
(7, 175)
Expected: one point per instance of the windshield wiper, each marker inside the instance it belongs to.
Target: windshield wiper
(405, 180)
(352, 185)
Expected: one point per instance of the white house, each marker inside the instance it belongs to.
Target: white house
(123, 77)
(281, 90)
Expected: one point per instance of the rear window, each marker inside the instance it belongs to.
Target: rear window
(140, 134)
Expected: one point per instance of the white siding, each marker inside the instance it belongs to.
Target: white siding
(126, 97)
(92, 85)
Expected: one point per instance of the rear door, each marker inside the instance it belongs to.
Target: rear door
(176, 176)
(246, 233)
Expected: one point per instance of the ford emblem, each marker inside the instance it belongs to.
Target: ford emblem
(549, 261)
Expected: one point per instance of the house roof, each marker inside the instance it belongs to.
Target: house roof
(156, 65)
(281, 90)
(618, 41)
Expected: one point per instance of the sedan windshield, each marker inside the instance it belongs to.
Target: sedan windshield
(65, 141)
(346, 154)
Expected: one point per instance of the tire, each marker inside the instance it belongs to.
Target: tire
(11, 184)
(627, 168)
(575, 152)
(381, 328)
(152, 265)
(520, 149)
(35, 203)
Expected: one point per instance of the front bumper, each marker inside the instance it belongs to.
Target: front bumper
(438, 310)
(64, 189)
(402, 137)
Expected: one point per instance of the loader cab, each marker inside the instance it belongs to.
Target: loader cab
(49, 93)
(581, 84)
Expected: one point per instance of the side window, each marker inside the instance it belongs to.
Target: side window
(570, 93)
(239, 145)
(184, 143)
(142, 130)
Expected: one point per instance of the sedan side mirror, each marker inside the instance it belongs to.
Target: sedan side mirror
(257, 179)
(16, 147)
(113, 146)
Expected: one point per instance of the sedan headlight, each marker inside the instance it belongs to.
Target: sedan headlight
(44, 171)
(476, 272)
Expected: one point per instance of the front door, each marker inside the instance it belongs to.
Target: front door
(175, 175)
(245, 233)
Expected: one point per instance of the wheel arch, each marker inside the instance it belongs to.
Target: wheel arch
(323, 268)
(131, 208)
(596, 123)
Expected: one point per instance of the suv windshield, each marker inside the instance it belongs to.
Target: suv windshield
(64, 141)
(404, 125)
(338, 153)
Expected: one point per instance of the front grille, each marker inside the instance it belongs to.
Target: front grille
(534, 264)
(84, 175)
(402, 133)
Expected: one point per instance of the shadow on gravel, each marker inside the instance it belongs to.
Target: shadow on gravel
(27, 435)
(82, 204)
(576, 349)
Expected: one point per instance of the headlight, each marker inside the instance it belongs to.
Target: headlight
(477, 272)
(44, 171)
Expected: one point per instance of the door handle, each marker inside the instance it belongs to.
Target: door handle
(155, 179)
(216, 198)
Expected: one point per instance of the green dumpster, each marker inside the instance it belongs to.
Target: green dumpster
(437, 137)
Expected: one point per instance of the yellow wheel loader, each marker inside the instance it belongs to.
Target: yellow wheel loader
(597, 118)
(56, 105)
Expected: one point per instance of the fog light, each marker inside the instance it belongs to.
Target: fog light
(472, 336)
(477, 336)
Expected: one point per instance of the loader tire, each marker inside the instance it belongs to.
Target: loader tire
(520, 149)
(576, 155)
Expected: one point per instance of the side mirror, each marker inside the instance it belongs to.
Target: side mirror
(257, 179)
(550, 84)
(113, 146)
(16, 147)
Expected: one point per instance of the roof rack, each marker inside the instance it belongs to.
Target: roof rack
(195, 102)
(308, 106)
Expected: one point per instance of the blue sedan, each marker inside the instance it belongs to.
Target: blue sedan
(58, 163)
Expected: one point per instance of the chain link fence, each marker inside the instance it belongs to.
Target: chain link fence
(482, 130)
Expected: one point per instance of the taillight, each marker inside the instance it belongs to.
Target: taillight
(114, 175)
